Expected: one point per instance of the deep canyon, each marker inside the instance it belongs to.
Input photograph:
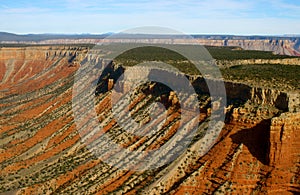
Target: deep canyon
(41, 152)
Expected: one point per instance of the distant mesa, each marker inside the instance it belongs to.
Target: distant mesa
(285, 44)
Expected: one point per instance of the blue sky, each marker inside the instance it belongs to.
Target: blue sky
(243, 17)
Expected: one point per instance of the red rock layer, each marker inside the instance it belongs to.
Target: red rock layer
(41, 151)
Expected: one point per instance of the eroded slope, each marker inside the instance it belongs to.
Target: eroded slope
(41, 150)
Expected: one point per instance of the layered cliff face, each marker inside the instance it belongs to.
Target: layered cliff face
(284, 140)
(35, 67)
(278, 45)
(288, 47)
(284, 46)
(42, 149)
(230, 63)
(284, 154)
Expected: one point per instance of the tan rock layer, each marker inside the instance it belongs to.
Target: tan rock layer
(277, 45)
(42, 153)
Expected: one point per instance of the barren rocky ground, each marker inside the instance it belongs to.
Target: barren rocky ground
(41, 149)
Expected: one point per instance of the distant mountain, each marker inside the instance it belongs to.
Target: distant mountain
(287, 45)
(7, 37)
(4, 36)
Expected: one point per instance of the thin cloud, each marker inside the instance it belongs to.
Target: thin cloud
(27, 10)
(287, 9)
(191, 16)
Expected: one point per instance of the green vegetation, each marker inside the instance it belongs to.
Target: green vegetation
(236, 53)
(150, 53)
(270, 75)
(285, 75)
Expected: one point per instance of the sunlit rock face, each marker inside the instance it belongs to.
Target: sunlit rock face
(41, 150)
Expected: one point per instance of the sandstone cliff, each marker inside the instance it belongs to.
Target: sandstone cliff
(42, 152)
(278, 46)
(229, 63)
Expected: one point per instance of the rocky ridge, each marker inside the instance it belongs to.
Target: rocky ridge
(278, 45)
(41, 152)
(230, 63)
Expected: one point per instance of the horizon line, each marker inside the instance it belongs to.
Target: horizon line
(187, 34)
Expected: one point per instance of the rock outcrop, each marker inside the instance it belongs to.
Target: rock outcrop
(230, 63)
(278, 45)
(284, 140)
(44, 151)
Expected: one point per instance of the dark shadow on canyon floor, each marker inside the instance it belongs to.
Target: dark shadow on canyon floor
(256, 139)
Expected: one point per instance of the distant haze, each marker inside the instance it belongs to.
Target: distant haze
(237, 17)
